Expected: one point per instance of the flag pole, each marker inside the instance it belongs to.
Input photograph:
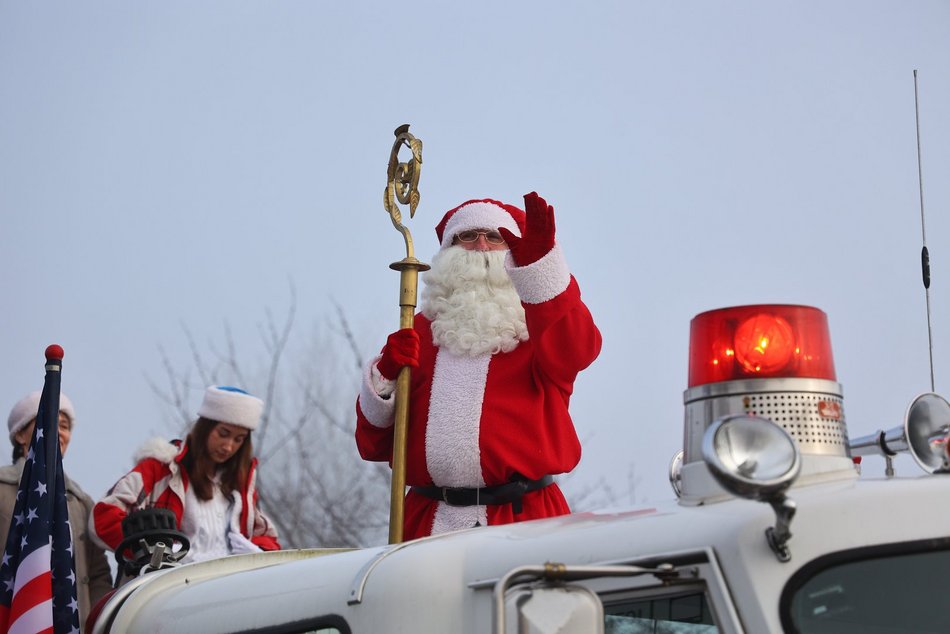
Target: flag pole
(402, 185)
(49, 421)
(38, 589)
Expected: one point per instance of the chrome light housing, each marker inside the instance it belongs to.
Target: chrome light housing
(750, 456)
(754, 458)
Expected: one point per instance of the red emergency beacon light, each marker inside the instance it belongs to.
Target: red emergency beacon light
(757, 342)
(767, 361)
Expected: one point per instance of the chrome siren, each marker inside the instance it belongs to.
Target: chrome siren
(925, 434)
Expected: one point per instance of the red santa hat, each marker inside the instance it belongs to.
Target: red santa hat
(479, 214)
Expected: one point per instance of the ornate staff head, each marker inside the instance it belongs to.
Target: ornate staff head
(403, 183)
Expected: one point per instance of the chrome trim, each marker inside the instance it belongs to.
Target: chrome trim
(793, 403)
(359, 582)
(757, 386)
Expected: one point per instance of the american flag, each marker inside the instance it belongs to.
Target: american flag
(38, 574)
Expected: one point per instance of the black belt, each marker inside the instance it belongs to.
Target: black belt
(508, 493)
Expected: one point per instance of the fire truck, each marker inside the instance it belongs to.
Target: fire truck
(772, 529)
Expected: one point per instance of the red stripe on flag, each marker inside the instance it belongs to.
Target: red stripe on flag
(35, 591)
(37, 620)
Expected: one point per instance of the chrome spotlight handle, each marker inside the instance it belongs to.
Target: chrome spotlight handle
(753, 458)
(778, 535)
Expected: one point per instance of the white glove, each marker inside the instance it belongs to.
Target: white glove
(241, 544)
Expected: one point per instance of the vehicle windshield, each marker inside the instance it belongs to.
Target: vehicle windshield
(881, 595)
(680, 614)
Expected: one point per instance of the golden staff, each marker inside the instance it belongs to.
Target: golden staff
(402, 184)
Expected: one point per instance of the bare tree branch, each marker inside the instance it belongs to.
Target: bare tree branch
(312, 482)
(344, 326)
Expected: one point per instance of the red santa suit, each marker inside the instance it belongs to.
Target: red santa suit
(489, 419)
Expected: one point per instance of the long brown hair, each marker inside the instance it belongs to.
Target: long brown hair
(201, 468)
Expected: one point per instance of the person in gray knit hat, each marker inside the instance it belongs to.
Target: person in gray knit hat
(93, 576)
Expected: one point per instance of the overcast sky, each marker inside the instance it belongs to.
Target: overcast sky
(171, 165)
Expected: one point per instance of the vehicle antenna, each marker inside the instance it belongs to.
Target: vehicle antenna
(924, 253)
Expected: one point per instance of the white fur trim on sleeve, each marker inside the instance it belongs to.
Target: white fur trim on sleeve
(379, 411)
(381, 385)
(542, 280)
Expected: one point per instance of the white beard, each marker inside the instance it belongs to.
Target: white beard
(472, 304)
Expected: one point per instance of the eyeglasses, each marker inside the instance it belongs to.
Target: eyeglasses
(493, 237)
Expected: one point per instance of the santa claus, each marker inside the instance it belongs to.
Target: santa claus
(500, 338)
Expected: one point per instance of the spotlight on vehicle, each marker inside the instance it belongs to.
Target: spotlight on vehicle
(753, 458)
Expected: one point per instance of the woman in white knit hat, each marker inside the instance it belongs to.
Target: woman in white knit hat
(207, 481)
(93, 576)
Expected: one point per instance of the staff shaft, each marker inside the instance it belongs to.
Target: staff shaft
(409, 279)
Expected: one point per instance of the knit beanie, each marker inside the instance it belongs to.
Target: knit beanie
(27, 407)
(231, 405)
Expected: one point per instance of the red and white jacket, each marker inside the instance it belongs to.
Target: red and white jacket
(479, 421)
(158, 480)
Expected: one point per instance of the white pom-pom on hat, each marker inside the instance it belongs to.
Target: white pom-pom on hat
(232, 405)
(27, 407)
